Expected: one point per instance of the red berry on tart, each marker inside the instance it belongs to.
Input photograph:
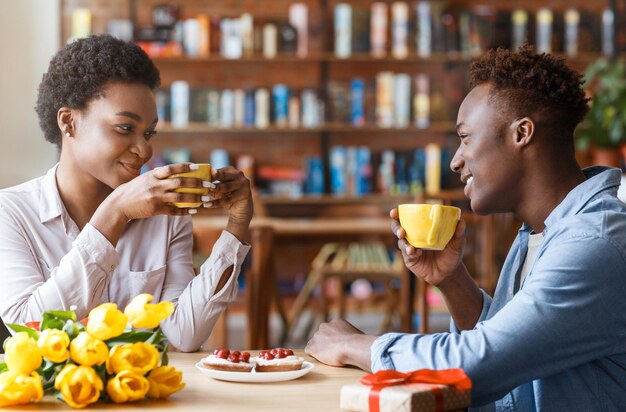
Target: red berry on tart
(277, 360)
(225, 360)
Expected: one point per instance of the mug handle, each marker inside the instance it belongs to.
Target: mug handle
(435, 217)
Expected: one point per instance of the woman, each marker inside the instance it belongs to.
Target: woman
(93, 229)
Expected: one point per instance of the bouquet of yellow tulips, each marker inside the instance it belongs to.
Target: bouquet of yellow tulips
(102, 357)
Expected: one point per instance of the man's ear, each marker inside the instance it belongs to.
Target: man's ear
(523, 131)
(65, 120)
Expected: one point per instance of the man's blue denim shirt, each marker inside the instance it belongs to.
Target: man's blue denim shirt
(559, 343)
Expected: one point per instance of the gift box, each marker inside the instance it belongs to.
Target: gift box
(422, 390)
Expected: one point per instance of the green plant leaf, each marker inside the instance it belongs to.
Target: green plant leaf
(21, 328)
(129, 337)
(55, 319)
(164, 358)
(3, 367)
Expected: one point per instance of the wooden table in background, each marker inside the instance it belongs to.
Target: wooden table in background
(316, 391)
(264, 230)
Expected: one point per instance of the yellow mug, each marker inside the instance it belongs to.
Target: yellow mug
(202, 172)
(428, 226)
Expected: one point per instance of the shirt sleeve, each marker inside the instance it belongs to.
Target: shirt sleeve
(483, 313)
(569, 312)
(80, 279)
(198, 306)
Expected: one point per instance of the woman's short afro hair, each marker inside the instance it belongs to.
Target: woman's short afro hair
(79, 72)
(525, 83)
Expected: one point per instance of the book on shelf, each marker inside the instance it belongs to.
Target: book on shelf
(314, 168)
(176, 155)
(227, 108)
(213, 107)
(423, 29)
(343, 30)
(219, 158)
(239, 106)
(360, 35)
(246, 25)
(421, 101)
(121, 29)
(262, 108)
(294, 112)
(280, 100)
(357, 100)
(232, 43)
(399, 29)
(433, 168)
(401, 100)
(310, 109)
(270, 41)
(337, 163)
(191, 37)
(519, 28)
(162, 98)
(287, 38)
(339, 109)
(180, 103)
(378, 29)
(384, 99)
(250, 108)
(298, 18)
(608, 32)
(572, 20)
(543, 37)
(204, 34)
(80, 23)
(198, 104)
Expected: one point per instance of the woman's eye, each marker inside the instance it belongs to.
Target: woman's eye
(149, 134)
(125, 128)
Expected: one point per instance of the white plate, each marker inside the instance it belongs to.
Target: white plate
(256, 376)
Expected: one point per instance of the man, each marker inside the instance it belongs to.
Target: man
(554, 335)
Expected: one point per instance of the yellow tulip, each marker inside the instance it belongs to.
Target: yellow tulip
(141, 314)
(127, 386)
(164, 381)
(54, 345)
(87, 350)
(140, 357)
(20, 389)
(106, 321)
(21, 354)
(79, 385)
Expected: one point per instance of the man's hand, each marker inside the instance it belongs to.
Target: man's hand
(338, 343)
(431, 265)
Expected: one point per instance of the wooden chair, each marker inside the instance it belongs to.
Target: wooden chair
(344, 263)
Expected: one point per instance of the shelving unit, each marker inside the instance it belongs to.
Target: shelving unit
(284, 146)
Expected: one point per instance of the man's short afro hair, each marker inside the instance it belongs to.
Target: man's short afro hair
(79, 72)
(526, 83)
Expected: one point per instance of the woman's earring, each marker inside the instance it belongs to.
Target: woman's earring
(67, 134)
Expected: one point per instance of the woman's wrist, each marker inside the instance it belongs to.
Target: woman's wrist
(109, 219)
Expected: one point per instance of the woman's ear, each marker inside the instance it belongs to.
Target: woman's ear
(523, 131)
(65, 120)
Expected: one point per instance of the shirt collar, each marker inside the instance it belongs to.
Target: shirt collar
(49, 198)
(599, 179)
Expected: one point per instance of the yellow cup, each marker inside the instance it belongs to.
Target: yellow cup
(202, 172)
(428, 226)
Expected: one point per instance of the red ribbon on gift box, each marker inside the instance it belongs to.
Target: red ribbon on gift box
(384, 378)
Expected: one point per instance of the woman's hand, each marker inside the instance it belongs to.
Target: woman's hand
(431, 265)
(232, 191)
(153, 193)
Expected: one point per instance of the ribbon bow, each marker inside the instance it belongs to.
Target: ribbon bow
(384, 378)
